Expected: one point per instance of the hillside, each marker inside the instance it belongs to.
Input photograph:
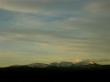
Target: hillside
(56, 71)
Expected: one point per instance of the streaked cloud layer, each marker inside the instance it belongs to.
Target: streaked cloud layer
(54, 30)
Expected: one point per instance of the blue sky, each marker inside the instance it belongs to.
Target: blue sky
(54, 30)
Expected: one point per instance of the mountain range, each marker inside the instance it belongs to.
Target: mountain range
(64, 64)
(62, 71)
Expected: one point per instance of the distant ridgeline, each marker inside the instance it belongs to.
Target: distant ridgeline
(62, 64)
(81, 65)
(56, 71)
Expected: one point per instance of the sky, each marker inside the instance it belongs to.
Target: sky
(45, 31)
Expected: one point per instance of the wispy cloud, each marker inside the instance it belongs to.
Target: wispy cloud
(52, 28)
(98, 6)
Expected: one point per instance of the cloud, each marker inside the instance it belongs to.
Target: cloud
(84, 32)
(18, 5)
(56, 28)
(103, 60)
(98, 7)
(41, 7)
(54, 7)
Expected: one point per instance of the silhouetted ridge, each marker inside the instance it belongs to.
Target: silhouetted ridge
(86, 64)
(62, 70)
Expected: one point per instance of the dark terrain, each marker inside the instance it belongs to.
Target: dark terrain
(55, 73)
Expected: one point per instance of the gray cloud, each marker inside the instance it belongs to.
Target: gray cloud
(98, 6)
(42, 7)
(73, 31)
